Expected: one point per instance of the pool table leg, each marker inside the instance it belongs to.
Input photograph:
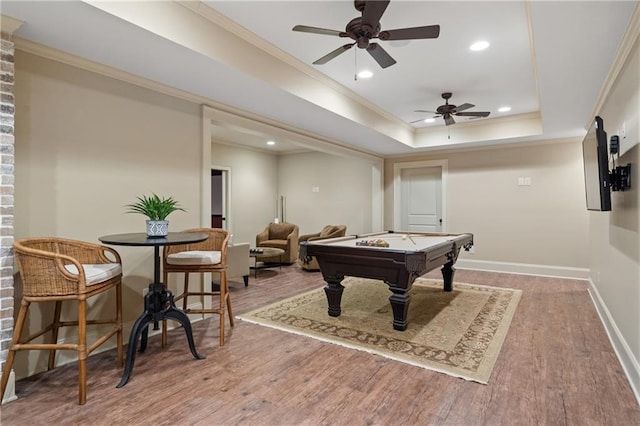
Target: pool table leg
(334, 290)
(447, 275)
(400, 306)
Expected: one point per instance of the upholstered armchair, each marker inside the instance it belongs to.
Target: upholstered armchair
(283, 236)
(329, 231)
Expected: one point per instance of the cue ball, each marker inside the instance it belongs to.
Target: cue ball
(404, 237)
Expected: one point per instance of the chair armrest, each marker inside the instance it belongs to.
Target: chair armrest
(238, 260)
(306, 237)
(292, 239)
(262, 236)
(87, 253)
(51, 262)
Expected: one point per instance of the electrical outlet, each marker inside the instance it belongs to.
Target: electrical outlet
(524, 181)
(472, 250)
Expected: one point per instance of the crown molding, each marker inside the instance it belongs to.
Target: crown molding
(233, 27)
(9, 24)
(532, 49)
(631, 37)
(248, 118)
(168, 19)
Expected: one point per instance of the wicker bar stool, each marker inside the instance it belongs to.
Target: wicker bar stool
(206, 256)
(58, 270)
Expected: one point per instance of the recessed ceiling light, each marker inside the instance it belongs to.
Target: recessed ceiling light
(479, 45)
(271, 143)
(504, 109)
(429, 120)
(365, 74)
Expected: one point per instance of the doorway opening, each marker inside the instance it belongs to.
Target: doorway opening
(220, 197)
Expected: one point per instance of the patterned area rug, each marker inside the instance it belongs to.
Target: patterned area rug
(459, 333)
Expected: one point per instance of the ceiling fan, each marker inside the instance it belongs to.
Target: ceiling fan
(447, 111)
(366, 27)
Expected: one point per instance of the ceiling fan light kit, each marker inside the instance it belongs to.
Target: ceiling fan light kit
(366, 27)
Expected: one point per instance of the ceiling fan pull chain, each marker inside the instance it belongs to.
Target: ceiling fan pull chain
(355, 64)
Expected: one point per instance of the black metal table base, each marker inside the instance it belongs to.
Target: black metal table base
(158, 306)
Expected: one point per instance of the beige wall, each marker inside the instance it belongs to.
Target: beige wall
(254, 188)
(86, 145)
(343, 197)
(542, 224)
(259, 178)
(614, 257)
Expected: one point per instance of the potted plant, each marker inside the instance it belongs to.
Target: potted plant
(156, 209)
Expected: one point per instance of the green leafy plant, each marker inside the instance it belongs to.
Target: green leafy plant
(154, 207)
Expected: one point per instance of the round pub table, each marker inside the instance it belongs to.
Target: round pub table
(158, 302)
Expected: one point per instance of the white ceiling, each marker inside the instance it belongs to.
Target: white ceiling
(547, 60)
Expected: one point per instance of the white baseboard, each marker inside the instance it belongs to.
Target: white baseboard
(630, 365)
(10, 391)
(524, 269)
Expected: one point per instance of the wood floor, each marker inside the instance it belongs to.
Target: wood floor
(556, 367)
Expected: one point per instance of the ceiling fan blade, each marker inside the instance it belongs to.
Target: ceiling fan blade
(424, 110)
(373, 11)
(380, 55)
(315, 30)
(422, 119)
(449, 120)
(430, 31)
(329, 56)
(462, 107)
(474, 114)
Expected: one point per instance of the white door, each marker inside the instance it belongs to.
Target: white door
(421, 199)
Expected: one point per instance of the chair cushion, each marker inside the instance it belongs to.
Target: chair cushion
(281, 244)
(96, 274)
(194, 258)
(280, 231)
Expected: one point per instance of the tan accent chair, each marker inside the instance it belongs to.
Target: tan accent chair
(209, 255)
(283, 236)
(57, 270)
(329, 231)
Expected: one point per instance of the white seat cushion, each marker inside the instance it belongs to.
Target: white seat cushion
(97, 273)
(194, 258)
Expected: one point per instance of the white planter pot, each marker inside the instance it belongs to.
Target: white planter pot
(157, 228)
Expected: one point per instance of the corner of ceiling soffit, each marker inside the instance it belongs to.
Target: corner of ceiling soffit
(248, 53)
(8, 24)
(303, 81)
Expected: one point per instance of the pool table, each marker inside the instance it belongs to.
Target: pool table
(405, 257)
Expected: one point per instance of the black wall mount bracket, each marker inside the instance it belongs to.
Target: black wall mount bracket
(620, 178)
